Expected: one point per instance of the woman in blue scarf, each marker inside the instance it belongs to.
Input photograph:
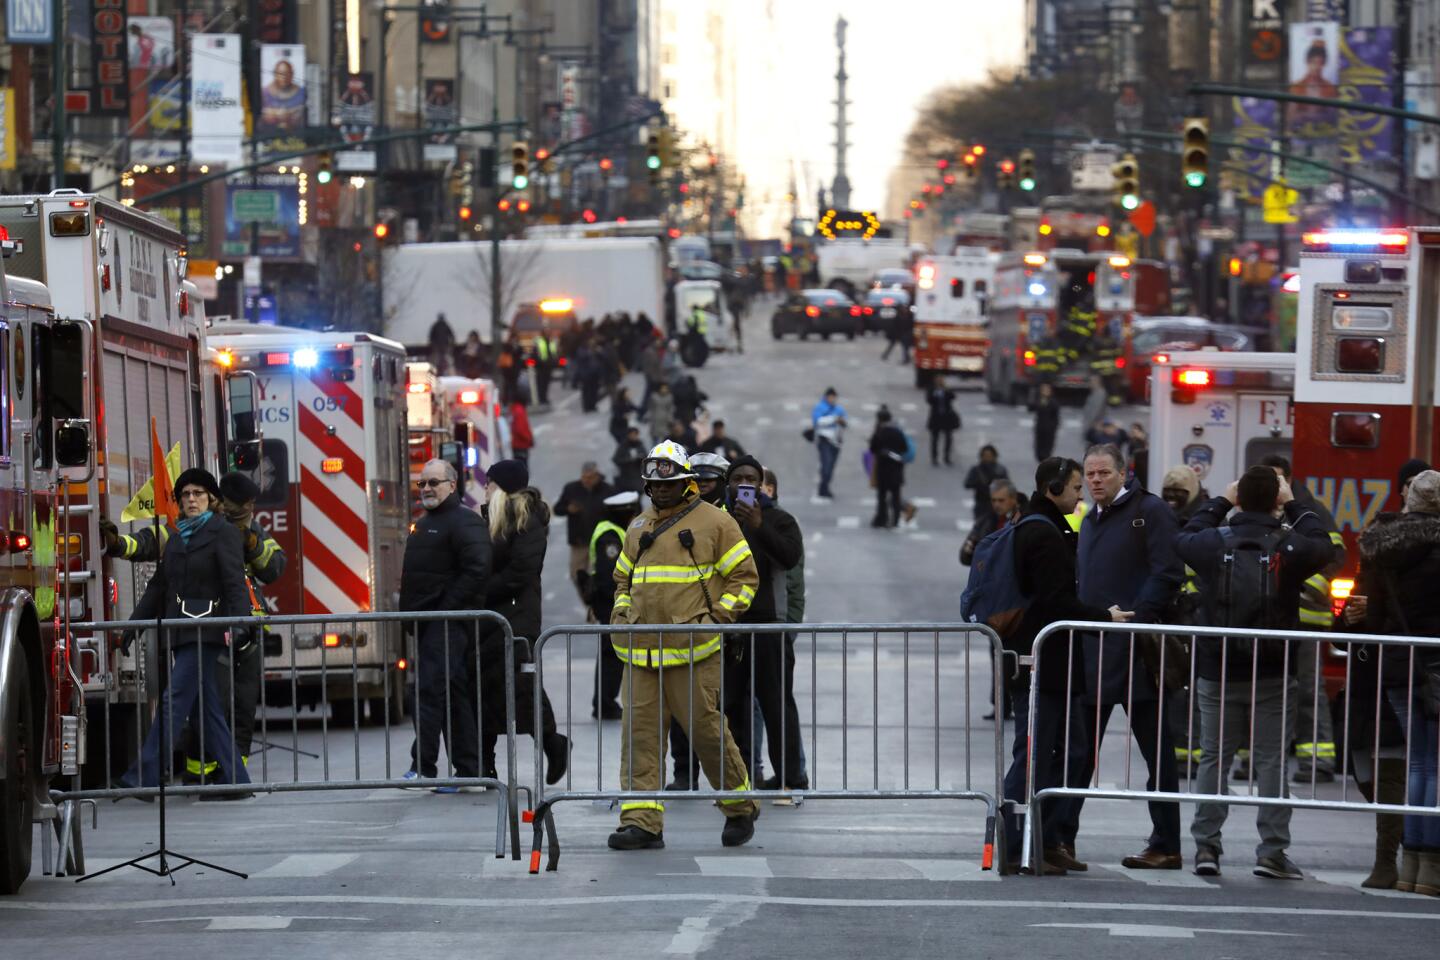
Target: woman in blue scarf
(200, 576)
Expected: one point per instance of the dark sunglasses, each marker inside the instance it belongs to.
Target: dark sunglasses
(422, 484)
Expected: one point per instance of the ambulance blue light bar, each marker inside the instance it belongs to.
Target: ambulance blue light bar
(305, 358)
(1394, 241)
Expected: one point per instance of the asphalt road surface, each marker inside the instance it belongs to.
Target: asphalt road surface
(391, 873)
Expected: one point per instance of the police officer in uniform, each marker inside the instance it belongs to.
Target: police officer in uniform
(606, 543)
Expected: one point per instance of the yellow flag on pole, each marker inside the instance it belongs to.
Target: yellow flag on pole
(142, 505)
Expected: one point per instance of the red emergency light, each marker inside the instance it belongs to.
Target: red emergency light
(469, 396)
(1029, 358)
(277, 359)
(332, 465)
(1193, 378)
(1389, 240)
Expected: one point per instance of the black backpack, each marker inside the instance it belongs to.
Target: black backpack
(1247, 587)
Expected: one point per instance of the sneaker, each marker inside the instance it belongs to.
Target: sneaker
(411, 775)
(739, 830)
(1207, 863)
(1278, 867)
(631, 837)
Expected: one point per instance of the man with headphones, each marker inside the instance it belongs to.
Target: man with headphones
(1045, 570)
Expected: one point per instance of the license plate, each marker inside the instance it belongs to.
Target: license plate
(970, 364)
(888, 313)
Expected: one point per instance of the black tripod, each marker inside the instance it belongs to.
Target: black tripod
(170, 861)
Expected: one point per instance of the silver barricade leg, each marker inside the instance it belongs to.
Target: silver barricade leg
(356, 704)
(844, 710)
(905, 707)
(875, 710)
(512, 799)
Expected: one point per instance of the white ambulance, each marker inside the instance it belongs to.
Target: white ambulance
(1218, 413)
(951, 314)
(333, 475)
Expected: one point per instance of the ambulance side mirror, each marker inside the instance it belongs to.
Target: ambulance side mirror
(245, 456)
(72, 443)
(240, 394)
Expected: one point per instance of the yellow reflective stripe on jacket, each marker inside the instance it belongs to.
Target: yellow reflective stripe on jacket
(194, 766)
(743, 786)
(1317, 618)
(661, 573)
(733, 558)
(621, 600)
(665, 656)
(643, 805)
(623, 563)
(1320, 583)
(1310, 751)
(728, 600)
(1336, 539)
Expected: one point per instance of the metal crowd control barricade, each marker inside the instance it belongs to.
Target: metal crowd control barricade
(845, 755)
(290, 752)
(1393, 682)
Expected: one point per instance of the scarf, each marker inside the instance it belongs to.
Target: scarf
(188, 525)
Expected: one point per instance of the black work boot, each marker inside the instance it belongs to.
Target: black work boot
(739, 830)
(631, 837)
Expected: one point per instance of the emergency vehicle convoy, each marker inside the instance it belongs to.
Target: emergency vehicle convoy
(103, 337)
(951, 304)
(334, 494)
(1064, 316)
(456, 419)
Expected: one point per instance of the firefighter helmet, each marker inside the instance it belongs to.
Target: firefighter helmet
(709, 466)
(667, 461)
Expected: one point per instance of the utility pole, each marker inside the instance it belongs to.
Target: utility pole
(57, 113)
(840, 188)
(183, 59)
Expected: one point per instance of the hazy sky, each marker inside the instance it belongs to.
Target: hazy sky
(897, 51)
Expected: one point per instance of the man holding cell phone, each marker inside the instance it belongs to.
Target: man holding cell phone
(754, 660)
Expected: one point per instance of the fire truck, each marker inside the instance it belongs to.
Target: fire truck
(102, 337)
(1064, 316)
(1218, 413)
(333, 475)
(1366, 358)
(951, 300)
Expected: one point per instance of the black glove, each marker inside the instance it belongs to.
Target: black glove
(127, 639)
(111, 535)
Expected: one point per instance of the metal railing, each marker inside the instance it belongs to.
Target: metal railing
(1380, 689)
(475, 653)
(835, 766)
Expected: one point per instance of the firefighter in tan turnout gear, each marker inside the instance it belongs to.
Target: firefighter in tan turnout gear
(684, 561)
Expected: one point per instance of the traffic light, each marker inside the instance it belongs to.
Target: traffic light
(606, 165)
(1005, 174)
(520, 165)
(1027, 170)
(1195, 151)
(972, 167)
(485, 167)
(652, 154)
(667, 148)
(382, 231)
(542, 159)
(465, 212)
(1126, 187)
(324, 169)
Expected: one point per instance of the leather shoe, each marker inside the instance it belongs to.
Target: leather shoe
(631, 837)
(1048, 868)
(739, 830)
(1152, 859)
(1063, 856)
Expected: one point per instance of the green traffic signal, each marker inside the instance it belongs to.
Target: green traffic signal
(520, 182)
(1027, 184)
(1130, 201)
(1195, 179)
(653, 162)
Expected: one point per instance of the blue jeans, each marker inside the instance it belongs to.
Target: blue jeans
(829, 454)
(1422, 741)
(194, 666)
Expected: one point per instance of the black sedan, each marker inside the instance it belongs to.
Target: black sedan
(884, 308)
(822, 312)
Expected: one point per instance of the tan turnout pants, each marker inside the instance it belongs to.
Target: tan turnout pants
(645, 731)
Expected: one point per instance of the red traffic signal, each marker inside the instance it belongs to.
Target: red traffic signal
(466, 213)
(942, 164)
(382, 230)
(606, 164)
(971, 159)
(541, 154)
(503, 205)
(1007, 166)
(523, 206)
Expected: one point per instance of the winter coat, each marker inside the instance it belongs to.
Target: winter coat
(447, 560)
(1047, 421)
(1305, 552)
(1400, 567)
(205, 575)
(713, 582)
(513, 590)
(629, 460)
(943, 415)
(659, 413)
(979, 479)
(578, 526)
(1127, 558)
(1045, 571)
(888, 444)
(776, 546)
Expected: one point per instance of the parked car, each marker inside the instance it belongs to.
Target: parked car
(894, 277)
(1152, 335)
(884, 307)
(822, 312)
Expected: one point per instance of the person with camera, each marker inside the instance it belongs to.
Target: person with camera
(1251, 570)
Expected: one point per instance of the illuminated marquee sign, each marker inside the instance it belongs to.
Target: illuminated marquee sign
(848, 224)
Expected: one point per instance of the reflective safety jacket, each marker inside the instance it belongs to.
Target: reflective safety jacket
(713, 582)
(699, 320)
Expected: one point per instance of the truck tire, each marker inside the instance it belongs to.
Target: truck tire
(17, 800)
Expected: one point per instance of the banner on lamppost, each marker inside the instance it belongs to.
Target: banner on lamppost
(1257, 124)
(282, 91)
(7, 128)
(355, 107)
(217, 117)
(1263, 60)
